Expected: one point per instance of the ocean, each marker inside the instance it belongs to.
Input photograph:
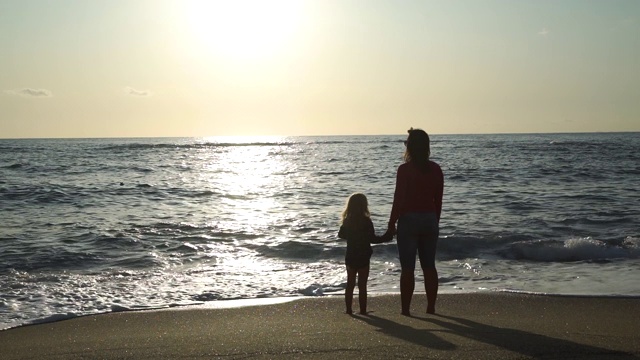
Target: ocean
(100, 225)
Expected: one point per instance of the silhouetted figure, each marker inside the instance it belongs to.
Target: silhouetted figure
(417, 204)
(357, 229)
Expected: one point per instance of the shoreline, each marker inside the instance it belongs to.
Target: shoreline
(467, 326)
(265, 301)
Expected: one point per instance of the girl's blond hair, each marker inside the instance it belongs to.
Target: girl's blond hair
(357, 207)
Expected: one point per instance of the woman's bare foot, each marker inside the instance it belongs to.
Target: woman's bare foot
(349, 311)
(431, 310)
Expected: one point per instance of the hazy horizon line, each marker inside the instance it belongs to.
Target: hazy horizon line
(310, 136)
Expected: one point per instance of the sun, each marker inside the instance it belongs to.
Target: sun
(244, 29)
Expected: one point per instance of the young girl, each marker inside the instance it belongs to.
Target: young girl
(357, 229)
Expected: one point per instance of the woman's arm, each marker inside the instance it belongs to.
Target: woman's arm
(439, 192)
(398, 198)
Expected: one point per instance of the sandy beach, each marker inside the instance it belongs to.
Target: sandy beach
(467, 326)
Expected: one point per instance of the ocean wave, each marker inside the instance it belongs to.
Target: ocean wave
(140, 261)
(14, 166)
(45, 194)
(524, 292)
(207, 145)
(321, 289)
(454, 246)
(570, 250)
(171, 228)
(303, 250)
(50, 259)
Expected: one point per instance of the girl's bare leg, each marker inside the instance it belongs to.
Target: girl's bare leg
(363, 276)
(348, 292)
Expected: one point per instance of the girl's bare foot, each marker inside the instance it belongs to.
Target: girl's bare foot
(431, 310)
(349, 311)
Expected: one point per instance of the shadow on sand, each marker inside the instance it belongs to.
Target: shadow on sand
(422, 337)
(521, 342)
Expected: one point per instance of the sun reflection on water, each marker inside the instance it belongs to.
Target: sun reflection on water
(247, 172)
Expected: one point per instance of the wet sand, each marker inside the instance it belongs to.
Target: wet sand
(467, 326)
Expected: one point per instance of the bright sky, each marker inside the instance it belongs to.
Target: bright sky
(129, 68)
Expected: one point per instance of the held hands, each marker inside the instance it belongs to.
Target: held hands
(388, 235)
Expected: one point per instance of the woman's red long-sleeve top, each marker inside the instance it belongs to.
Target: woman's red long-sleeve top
(417, 191)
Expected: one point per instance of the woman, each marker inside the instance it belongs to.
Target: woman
(417, 205)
